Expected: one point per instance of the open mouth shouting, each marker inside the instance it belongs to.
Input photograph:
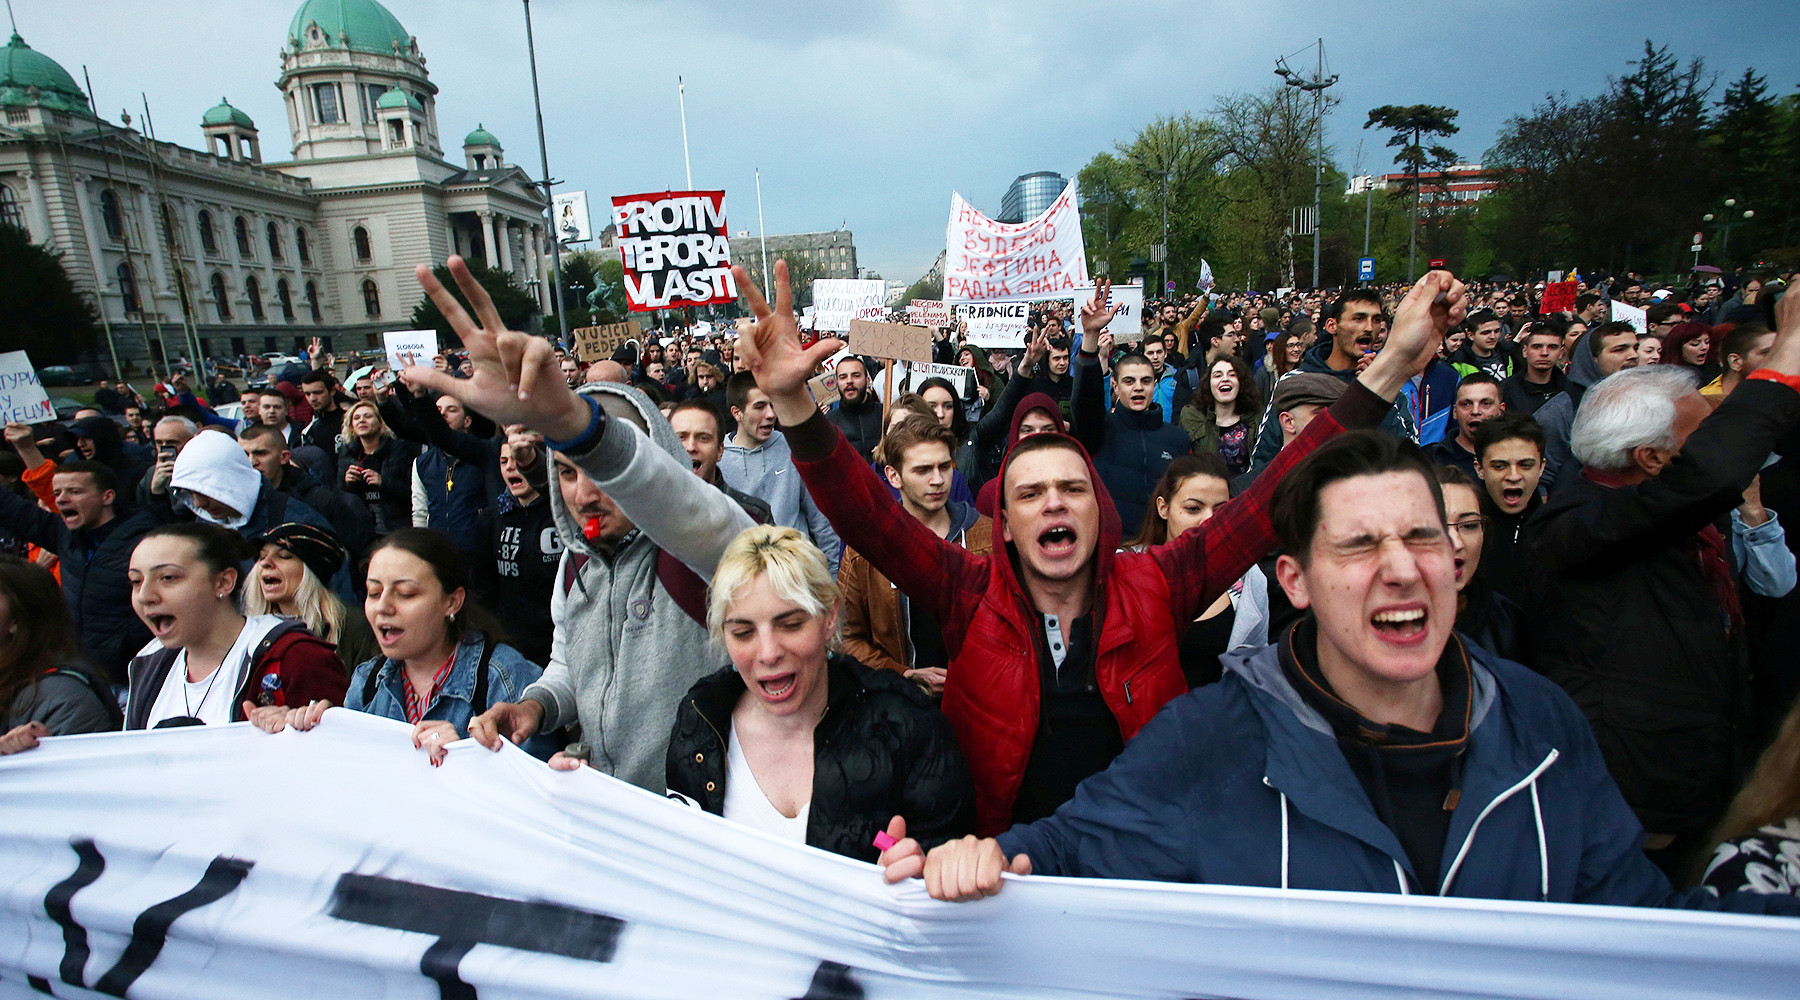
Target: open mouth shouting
(160, 625)
(1513, 497)
(1405, 625)
(778, 688)
(388, 635)
(1057, 541)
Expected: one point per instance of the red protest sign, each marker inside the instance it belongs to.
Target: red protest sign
(675, 249)
(1559, 296)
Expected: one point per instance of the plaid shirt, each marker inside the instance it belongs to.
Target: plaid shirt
(992, 693)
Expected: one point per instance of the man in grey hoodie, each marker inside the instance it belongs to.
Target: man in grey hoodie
(642, 535)
(758, 461)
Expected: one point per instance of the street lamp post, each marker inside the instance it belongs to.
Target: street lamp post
(556, 272)
(1316, 86)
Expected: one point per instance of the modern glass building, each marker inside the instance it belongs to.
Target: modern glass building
(1029, 195)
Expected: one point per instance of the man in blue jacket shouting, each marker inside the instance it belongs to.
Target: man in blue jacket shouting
(1369, 749)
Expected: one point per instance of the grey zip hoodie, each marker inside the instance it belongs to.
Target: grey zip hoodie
(624, 652)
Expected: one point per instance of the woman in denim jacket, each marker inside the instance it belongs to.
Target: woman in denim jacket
(443, 660)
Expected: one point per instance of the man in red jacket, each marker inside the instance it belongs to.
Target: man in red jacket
(1061, 647)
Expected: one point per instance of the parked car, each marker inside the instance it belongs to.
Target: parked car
(65, 407)
(63, 375)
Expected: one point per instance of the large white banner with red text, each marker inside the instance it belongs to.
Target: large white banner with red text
(987, 261)
(221, 862)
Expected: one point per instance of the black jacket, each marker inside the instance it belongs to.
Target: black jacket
(390, 504)
(350, 520)
(881, 751)
(1130, 450)
(94, 584)
(861, 424)
(1623, 617)
(525, 550)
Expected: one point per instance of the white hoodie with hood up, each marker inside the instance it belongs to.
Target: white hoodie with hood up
(214, 465)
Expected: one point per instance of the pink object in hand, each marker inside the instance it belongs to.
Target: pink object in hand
(883, 841)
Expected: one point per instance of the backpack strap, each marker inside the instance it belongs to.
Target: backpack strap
(105, 697)
(368, 692)
(479, 702)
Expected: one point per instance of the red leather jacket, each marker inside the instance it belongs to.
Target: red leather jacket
(992, 694)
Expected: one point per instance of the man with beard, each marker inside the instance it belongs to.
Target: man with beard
(1354, 324)
(857, 412)
(1060, 657)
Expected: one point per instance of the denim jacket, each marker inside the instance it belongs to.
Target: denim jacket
(508, 675)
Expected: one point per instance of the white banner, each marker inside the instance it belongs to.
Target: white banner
(837, 301)
(221, 862)
(995, 324)
(987, 260)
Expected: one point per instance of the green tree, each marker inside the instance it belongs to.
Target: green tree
(1108, 199)
(1267, 142)
(40, 310)
(1746, 136)
(1171, 163)
(516, 308)
(930, 288)
(1654, 176)
(1411, 125)
(578, 284)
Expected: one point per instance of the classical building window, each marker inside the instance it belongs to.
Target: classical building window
(312, 300)
(9, 208)
(171, 235)
(253, 291)
(371, 97)
(209, 238)
(110, 215)
(220, 299)
(285, 296)
(128, 290)
(241, 227)
(274, 241)
(371, 298)
(300, 246)
(360, 237)
(327, 109)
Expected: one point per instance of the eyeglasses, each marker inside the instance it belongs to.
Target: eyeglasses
(1472, 525)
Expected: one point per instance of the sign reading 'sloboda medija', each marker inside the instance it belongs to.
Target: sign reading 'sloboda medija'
(675, 249)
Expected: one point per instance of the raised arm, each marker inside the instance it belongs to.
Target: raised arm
(843, 486)
(1201, 563)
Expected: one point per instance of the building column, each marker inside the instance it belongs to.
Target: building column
(96, 254)
(487, 237)
(503, 232)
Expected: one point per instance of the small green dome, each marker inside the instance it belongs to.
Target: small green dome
(225, 114)
(397, 98)
(481, 137)
(22, 68)
(363, 25)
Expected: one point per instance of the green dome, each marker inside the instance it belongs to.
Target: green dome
(21, 68)
(481, 137)
(366, 24)
(225, 114)
(397, 98)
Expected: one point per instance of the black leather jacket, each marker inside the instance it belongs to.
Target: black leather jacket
(882, 751)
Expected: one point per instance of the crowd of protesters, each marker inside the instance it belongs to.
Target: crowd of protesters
(1388, 589)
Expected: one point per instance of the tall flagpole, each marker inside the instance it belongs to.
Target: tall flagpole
(681, 93)
(556, 271)
(762, 231)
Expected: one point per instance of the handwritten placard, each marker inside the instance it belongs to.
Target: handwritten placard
(824, 389)
(407, 348)
(1559, 296)
(22, 397)
(928, 312)
(890, 340)
(597, 343)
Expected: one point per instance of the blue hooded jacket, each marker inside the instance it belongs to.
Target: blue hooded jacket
(1243, 783)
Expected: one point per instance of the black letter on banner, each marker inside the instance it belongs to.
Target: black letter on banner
(148, 933)
(151, 930)
(462, 920)
(56, 907)
(833, 981)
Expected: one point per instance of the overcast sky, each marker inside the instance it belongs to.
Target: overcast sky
(868, 114)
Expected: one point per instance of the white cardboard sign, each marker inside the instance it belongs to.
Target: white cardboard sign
(22, 397)
(406, 348)
(837, 301)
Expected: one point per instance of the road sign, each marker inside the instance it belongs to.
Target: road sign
(1171, 286)
(1365, 269)
(1699, 237)
(1159, 252)
(1435, 263)
(1695, 248)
